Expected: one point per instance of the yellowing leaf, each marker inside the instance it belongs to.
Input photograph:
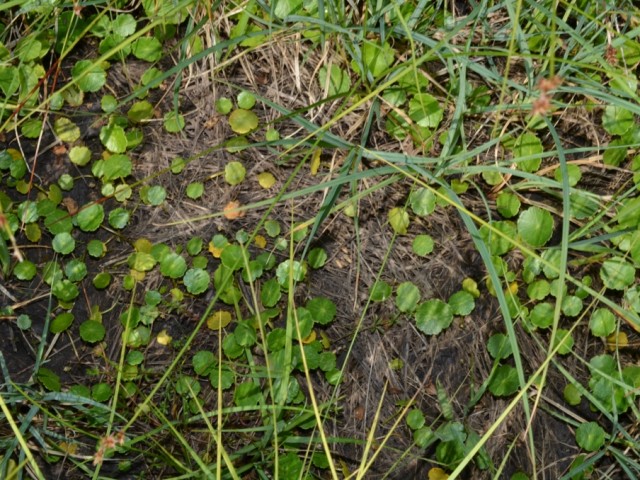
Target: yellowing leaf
(437, 473)
(310, 338)
(70, 448)
(66, 130)
(164, 338)
(326, 343)
(137, 275)
(218, 320)
(315, 161)
(142, 245)
(215, 251)
(399, 220)
(470, 285)
(260, 241)
(616, 341)
(266, 180)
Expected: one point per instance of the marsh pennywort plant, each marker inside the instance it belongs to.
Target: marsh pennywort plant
(223, 341)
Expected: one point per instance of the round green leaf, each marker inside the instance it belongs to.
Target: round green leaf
(504, 382)
(124, 24)
(590, 436)
(380, 291)
(177, 165)
(61, 322)
(173, 266)
(90, 217)
(471, 286)
(246, 335)
(203, 362)
(141, 261)
(243, 121)
(317, 257)
(102, 280)
(156, 195)
(23, 321)
(407, 297)
(422, 201)
(151, 76)
(617, 120)
(25, 270)
(272, 135)
(528, 145)
(108, 103)
(535, 226)
(246, 100)
(96, 248)
(615, 152)
(425, 110)
(222, 378)
(92, 331)
(139, 337)
(101, 392)
(499, 244)
(194, 246)
(422, 245)
(573, 172)
(89, 76)
(270, 293)
(80, 155)
(113, 138)
(196, 280)
(617, 273)
(632, 297)
(187, 386)
(115, 167)
(415, 419)
(565, 340)
(499, 346)
(538, 289)
(303, 329)
(572, 395)
(64, 290)
(147, 48)
(377, 58)
(338, 80)
(223, 106)
(542, 315)
(75, 270)
(234, 173)
(272, 227)
(433, 316)
(423, 437)
(31, 128)
(134, 357)
(322, 310)
(195, 190)
(140, 111)
(232, 257)
(298, 272)
(49, 379)
(63, 243)
(66, 130)
(173, 122)
(507, 204)
(119, 218)
(462, 303)
(571, 306)
(28, 211)
(247, 394)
